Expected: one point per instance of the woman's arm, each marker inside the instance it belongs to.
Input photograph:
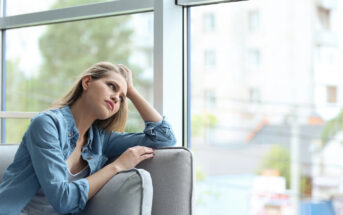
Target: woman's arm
(157, 132)
(145, 109)
(128, 160)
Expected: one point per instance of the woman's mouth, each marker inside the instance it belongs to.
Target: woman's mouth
(110, 104)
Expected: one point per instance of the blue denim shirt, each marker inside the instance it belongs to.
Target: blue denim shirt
(46, 145)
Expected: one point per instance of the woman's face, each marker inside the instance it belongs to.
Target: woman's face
(105, 95)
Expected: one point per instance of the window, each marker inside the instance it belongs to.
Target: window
(331, 92)
(254, 95)
(254, 21)
(254, 58)
(42, 62)
(209, 22)
(210, 98)
(210, 59)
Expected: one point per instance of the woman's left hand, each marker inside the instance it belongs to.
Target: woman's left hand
(129, 81)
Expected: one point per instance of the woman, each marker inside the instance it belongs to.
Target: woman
(60, 163)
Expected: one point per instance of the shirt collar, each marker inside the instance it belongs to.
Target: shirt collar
(71, 125)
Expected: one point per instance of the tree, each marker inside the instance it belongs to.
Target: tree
(278, 158)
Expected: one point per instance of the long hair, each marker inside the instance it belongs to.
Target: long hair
(99, 70)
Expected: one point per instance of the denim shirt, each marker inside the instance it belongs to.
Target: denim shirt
(40, 161)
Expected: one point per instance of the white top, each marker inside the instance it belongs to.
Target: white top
(39, 204)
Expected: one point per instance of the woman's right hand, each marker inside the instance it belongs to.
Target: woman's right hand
(131, 157)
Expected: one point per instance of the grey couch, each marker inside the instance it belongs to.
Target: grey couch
(172, 175)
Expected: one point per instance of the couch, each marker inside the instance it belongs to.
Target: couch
(172, 176)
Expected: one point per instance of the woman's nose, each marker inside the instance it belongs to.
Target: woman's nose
(115, 98)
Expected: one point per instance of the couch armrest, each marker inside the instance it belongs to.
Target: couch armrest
(172, 172)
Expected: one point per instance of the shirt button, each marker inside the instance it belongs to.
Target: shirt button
(85, 151)
(69, 135)
(89, 158)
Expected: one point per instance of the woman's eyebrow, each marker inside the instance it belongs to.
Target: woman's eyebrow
(119, 88)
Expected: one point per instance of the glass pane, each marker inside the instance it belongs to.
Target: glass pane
(266, 107)
(42, 62)
(15, 129)
(17, 7)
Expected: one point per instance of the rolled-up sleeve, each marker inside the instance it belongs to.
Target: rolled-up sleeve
(155, 135)
(43, 143)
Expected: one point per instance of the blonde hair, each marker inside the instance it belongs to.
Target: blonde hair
(99, 70)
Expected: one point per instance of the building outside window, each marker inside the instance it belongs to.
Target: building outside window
(267, 156)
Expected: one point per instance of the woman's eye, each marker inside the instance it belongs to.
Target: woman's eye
(112, 86)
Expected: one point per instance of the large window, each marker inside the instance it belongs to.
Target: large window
(42, 62)
(266, 119)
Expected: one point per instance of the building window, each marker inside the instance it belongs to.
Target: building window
(210, 58)
(254, 21)
(324, 15)
(331, 94)
(209, 22)
(210, 98)
(254, 95)
(254, 58)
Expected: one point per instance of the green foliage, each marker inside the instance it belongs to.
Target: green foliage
(202, 121)
(277, 158)
(332, 127)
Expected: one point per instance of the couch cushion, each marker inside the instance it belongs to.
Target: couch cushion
(7, 152)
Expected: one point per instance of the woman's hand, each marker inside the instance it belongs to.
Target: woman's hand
(145, 109)
(129, 81)
(131, 157)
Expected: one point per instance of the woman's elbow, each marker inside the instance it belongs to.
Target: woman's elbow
(71, 198)
(167, 141)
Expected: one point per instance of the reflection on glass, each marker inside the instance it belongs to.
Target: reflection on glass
(17, 7)
(267, 119)
(42, 62)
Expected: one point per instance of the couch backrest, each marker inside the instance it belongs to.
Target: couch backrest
(7, 152)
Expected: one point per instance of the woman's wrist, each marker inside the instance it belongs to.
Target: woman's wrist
(113, 168)
(130, 92)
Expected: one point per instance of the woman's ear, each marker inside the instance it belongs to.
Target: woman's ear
(85, 82)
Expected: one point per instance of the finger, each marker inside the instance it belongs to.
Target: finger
(146, 156)
(143, 149)
(124, 67)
